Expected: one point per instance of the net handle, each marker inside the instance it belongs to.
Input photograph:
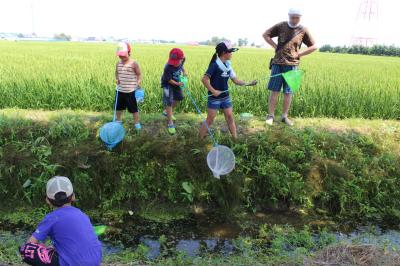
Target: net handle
(280, 74)
(115, 105)
(216, 158)
(215, 143)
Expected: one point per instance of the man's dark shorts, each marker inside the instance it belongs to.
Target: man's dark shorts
(278, 82)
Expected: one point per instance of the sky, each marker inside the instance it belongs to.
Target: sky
(330, 22)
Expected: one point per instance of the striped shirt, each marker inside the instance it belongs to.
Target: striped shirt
(126, 76)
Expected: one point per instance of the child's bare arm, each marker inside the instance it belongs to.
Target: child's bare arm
(185, 72)
(244, 83)
(138, 73)
(32, 239)
(116, 73)
(173, 82)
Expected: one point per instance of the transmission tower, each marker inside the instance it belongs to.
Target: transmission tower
(366, 26)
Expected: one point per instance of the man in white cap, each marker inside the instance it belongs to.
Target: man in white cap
(69, 229)
(287, 57)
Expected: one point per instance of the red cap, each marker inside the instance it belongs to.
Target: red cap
(175, 55)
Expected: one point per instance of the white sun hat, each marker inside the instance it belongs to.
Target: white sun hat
(295, 12)
(58, 184)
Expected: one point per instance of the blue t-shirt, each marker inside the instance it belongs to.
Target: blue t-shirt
(171, 72)
(72, 235)
(219, 79)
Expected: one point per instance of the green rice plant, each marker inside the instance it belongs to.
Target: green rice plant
(81, 76)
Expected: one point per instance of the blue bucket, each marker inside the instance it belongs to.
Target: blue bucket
(112, 134)
(139, 95)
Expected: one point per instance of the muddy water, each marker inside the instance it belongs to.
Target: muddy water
(194, 247)
(213, 227)
(201, 234)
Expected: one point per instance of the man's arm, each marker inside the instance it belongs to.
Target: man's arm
(271, 33)
(269, 40)
(310, 42)
(308, 50)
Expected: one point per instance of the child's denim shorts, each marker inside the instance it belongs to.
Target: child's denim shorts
(171, 94)
(216, 103)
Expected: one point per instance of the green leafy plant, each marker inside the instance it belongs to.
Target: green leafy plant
(188, 191)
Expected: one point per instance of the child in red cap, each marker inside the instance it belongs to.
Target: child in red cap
(129, 79)
(171, 84)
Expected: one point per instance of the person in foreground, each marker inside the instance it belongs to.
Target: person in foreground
(287, 57)
(216, 81)
(70, 230)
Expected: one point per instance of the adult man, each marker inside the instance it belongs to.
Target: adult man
(287, 57)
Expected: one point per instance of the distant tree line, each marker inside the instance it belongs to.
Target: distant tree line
(214, 41)
(62, 37)
(241, 42)
(382, 50)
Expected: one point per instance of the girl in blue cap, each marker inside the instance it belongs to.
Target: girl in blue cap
(216, 81)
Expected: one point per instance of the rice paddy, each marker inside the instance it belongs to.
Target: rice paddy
(61, 75)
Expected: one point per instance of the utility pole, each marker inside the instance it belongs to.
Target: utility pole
(33, 18)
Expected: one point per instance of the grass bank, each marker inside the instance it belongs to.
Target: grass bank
(347, 169)
(323, 173)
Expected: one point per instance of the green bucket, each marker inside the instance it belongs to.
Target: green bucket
(246, 116)
(99, 229)
(185, 81)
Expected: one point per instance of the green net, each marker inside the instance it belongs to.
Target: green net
(293, 79)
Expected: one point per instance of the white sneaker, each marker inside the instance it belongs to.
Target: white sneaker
(270, 120)
(287, 121)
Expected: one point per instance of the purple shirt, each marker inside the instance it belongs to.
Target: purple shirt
(72, 235)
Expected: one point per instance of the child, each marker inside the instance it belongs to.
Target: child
(129, 78)
(171, 84)
(70, 230)
(216, 81)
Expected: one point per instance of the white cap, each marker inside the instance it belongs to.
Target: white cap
(58, 184)
(295, 11)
